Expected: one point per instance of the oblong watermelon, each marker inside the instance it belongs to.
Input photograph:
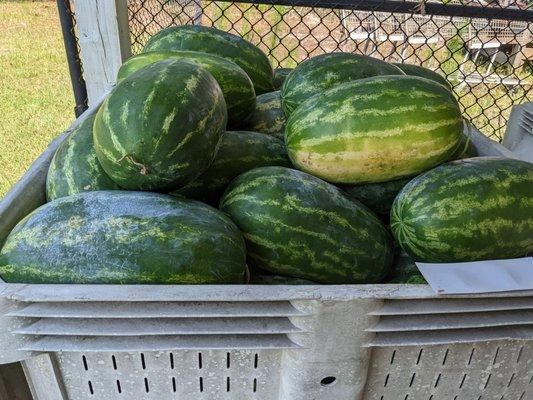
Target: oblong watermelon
(298, 225)
(280, 74)
(124, 237)
(326, 71)
(404, 270)
(377, 196)
(156, 132)
(423, 72)
(239, 152)
(268, 117)
(375, 130)
(237, 87)
(211, 40)
(473, 209)
(74, 167)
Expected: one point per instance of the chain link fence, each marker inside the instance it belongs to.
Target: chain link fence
(483, 47)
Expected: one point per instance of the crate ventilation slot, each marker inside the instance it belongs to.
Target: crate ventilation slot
(116, 326)
(436, 321)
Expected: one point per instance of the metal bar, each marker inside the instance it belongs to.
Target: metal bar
(73, 58)
(397, 6)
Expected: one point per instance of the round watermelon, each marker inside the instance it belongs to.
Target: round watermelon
(323, 72)
(156, 132)
(473, 209)
(375, 130)
(417, 70)
(298, 225)
(237, 87)
(211, 40)
(75, 167)
(124, 238)
(268, 117)
(239, 152)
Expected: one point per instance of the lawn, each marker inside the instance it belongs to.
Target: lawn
(36, 100)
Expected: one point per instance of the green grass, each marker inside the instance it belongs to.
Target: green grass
(36, 101)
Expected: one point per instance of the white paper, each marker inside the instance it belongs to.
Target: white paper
(479, 276)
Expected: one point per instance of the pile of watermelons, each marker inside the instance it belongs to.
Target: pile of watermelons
(203, 162)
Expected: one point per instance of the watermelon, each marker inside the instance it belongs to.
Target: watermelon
(211, 40)
(417, 70)
(156, 132)
(377, 196)
(473, 209)
(404, 270)
(466, 149)
(237, 87)
(374, 130)
(270, 279)
(298, 225)
(280, 74)
(124, 237)
(239, 152)
(323, 72)
(74, 167)
(268, 117)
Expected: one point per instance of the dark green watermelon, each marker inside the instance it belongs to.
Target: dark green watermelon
(465, 149)
(237, 87)
(156, 132)
(423, 72)
(124, 237)
(211, 40)
(377, 196)
(323, 72)
(404, 270)
(268, 117)
(298, 225)
(467, 210)
(280, 74)
(239, 152)
(75, 167)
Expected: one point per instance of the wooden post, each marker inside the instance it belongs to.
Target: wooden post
(104, 38)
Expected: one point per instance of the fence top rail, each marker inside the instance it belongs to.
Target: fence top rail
(469, 9)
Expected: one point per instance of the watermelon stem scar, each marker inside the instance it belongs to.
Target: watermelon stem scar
(144, 169)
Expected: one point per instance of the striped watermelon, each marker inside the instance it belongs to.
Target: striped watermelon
(75, 167)
(377, 196)
(156, 132)
(473, 209)
(280, 74)
(326, 71)
(297, 225)
(268, 117)
(238, 152)
(237, 87)
(417, 70)
(375, 130)
(124, 237)
(466, 149)
(211, 40)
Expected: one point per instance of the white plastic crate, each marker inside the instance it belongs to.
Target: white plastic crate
(239, 342)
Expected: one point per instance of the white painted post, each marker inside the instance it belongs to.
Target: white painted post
(104, 38)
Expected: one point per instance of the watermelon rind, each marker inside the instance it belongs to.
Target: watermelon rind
(473, 209)
(155, 132)
(375, 130)
(298, 225)
(236, 86)
(75, 167)
(124, 237)
(215, 41)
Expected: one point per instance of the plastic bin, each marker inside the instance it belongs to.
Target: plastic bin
(323, 342)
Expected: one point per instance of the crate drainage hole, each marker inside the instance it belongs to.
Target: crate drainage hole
(328, 381)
